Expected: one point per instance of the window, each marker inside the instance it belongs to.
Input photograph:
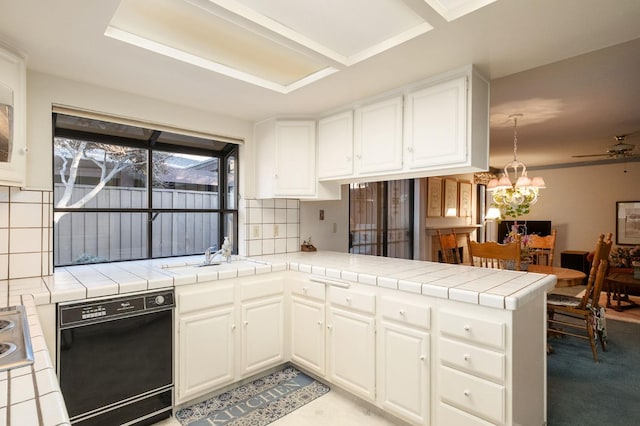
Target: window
(123, 192)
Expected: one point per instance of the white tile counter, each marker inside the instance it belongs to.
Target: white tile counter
(31, 396)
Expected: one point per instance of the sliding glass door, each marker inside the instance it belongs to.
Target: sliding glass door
(381, 218)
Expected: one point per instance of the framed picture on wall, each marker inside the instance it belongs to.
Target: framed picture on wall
(464, 202)
(434, 197)
(628, 222)
(450, 197)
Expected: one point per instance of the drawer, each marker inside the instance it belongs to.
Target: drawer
(484, 332)
(353, 299)
(261, 288)
(481, 362)
(308, 288)
(472, 394)
(405, 312)
(204, 297)
(448, 415)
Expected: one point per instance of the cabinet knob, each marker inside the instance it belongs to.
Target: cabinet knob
(304, 290)
(359, 157)
(467, 393)
(328, 326)
(348, 299)
(410, 148)
(402, 312)
(466, 357)
(467, 327)
(422, 358)
(233, 327)
(246, 323)
(275, 176)
(320, 323)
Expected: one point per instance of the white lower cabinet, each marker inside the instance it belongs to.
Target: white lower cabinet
(403, 373)
(262, 307)
(307, 324)
(205, 348)
(351, 341)
(425, 360)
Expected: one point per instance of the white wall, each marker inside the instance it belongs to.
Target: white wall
(581, 201)
(44, 90)
(332, 233)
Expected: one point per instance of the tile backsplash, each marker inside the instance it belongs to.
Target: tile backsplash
(272, 226)
(26, 233)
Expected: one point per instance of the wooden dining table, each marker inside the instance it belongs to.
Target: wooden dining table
(566, 277)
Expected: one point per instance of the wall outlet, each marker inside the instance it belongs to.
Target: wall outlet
(276, 230)
(321, 214)
(255, 231)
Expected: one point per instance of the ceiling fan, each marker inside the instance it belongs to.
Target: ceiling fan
(621, 149)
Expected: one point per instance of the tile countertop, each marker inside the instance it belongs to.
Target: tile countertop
(31, 395)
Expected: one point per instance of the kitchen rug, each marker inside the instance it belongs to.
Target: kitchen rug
(257, 403)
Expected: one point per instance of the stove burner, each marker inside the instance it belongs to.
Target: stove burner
(6, 349)
(6, 325)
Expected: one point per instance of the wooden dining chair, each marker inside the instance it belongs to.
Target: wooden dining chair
(494, 255)
(581, 316)
(449, 247)
(542, 248)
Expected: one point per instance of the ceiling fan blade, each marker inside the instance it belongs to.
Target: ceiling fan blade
(591, 155)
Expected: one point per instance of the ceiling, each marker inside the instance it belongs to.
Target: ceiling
(571, 67)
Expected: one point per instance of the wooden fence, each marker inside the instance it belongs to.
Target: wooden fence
(85, 236)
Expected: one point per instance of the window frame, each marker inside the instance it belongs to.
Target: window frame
(150, 145)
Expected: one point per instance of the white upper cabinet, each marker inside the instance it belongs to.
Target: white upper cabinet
(285, 161)
(335, 145)
(447, 124)
(436, 119)
(13, 118)
(378, 137)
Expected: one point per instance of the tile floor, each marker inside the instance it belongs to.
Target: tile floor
(334, 408)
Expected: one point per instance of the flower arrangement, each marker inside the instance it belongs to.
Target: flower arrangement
(624, 257)
(525, 253)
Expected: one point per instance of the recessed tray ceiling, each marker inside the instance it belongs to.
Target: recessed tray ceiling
(454, 9)
(280, 45)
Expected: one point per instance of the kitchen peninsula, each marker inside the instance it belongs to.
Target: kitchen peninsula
(470, 341)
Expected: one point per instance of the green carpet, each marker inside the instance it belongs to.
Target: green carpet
(582, 392)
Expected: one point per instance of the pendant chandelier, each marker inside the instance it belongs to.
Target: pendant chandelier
(514, 197)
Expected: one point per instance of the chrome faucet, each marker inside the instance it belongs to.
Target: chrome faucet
(209, 254)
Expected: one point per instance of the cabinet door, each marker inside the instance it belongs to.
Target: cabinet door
(307, 334)
(262, 334)
(295, 158)
(378, 137)
(436, 125)
(335, 146)
(351, 351)
(403, 367)
(205, 352)
(13, 118)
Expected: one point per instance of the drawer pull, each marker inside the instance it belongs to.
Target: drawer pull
(466, 357)
(422, 358)
(467, 327)
(246, 323)
(467, 393)
(320, 323)
(402, 312)
(348, 299)
(233, 327)
(328, 326)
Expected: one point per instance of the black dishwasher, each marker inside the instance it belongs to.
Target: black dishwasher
(115, 359)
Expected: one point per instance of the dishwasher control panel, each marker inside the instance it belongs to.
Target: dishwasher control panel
(114, 307)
